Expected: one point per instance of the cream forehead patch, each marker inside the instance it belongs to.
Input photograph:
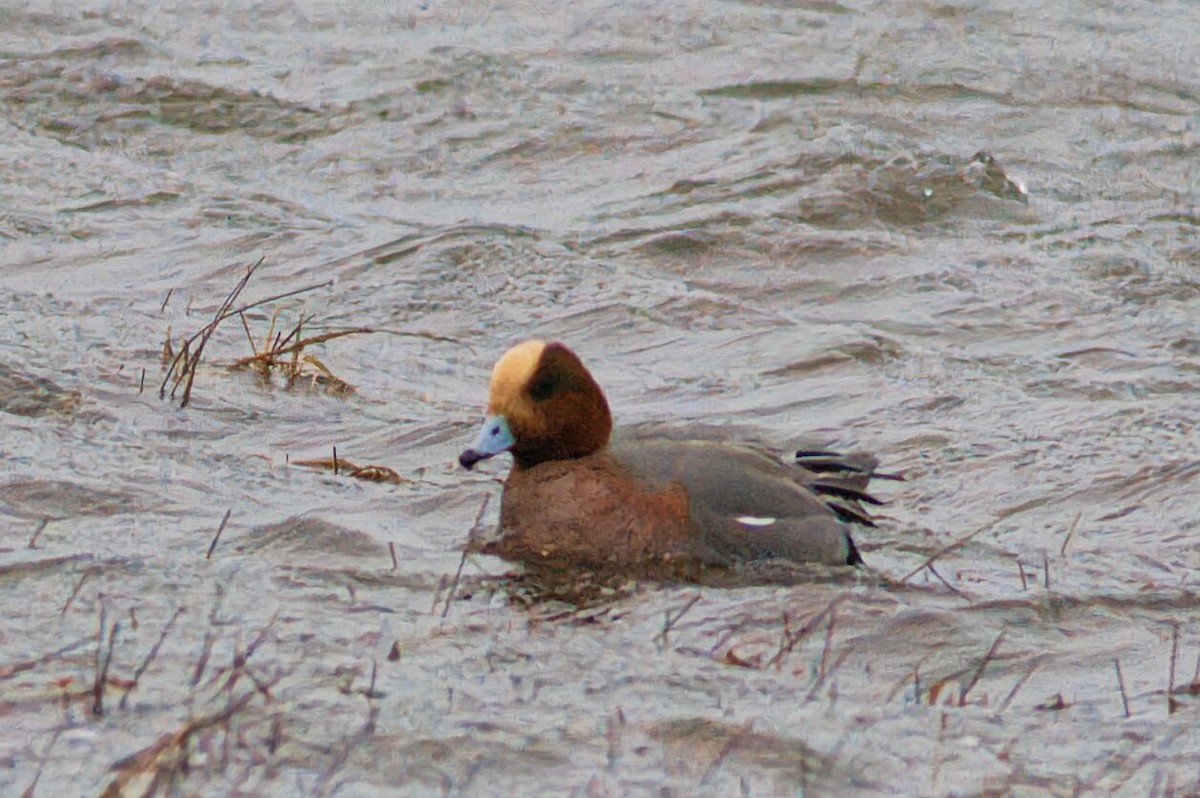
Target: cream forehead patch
(513, 370)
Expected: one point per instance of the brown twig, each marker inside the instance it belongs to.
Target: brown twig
(78, 586)
(1017, 687)
(281, 347)
(187, 371)
(669, 621)
(1046, 568)
(1171, 671)
(242, 658)
(166, 299)
(1121, 685)
(13, 668)
(946, 584)
(987, 658)
(206, 646)
(167, 757)
(102, 665)
(137, 674)
(945, 550)
(790, 639)
(828, 644)
(1070, 532)
(249, 336)
(443, 582)
(212, 546)
(820, 682)
(454, 584)
(392, 550)
(1024, 581)
(36, 532)
(372, 707)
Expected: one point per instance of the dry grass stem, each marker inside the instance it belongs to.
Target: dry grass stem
(1171, 671)
(13, 668)
(1008, 699)
(822, 678)
(181, 370)
(212, 546)
(828, 644)
(945, 584)
(453, 588)
(36, 532)
(1121, 685)
(78, 586)
(137, 674)
(340, 465)
(987, 658)
(1070, 533)
(372, 708)
(183, 366)
(103, 660)
(945, 550)
(791, 639)
(669, 621)
(206, 646)
(159, 765)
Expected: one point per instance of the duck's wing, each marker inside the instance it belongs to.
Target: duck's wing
(840, 480)
(743, 503)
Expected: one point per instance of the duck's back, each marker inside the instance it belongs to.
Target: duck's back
(744, 502)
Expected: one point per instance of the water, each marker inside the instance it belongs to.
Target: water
(745, 213)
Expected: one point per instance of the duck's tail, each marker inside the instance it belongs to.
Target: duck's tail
(841, 480)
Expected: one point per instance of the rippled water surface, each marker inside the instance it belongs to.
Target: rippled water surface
(962, 236)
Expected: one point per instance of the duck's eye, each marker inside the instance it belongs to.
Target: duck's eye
(542, 389)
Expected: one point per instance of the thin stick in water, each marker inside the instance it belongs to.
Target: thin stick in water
(988, 657)
(454, 584)
(945, 550)
(828, 644)
(1175, 653)
(78, 586)
(137, 674)
(36, 532)
(1121, 684)
(669, 621)
(1070, 533)
(212, 546)
(1017, 687)
(103, 660)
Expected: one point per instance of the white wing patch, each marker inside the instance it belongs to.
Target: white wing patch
(751, 520)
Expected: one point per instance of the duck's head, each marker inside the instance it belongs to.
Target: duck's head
(543, 405)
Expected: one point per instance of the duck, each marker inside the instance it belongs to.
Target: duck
(652, 497)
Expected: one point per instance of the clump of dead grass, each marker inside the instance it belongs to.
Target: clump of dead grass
(340, 465)
(278, 358)
(281, 355)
